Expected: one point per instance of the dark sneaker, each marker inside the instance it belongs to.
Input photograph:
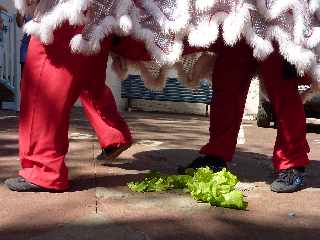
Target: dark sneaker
(289, 180)
(20, 184)
(215, 163)
(111, 153)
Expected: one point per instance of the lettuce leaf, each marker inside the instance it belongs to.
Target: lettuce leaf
(204, 185)
(155, 182)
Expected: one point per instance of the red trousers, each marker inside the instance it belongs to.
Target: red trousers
(53, 80)
(232, 74)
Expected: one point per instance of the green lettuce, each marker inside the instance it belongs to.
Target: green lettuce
(204, 185)
(155, 182)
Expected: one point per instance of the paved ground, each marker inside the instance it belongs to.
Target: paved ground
(100, 206)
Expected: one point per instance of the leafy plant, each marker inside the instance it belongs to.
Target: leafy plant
(204, 185)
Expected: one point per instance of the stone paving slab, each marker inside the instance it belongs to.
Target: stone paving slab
(100, 206)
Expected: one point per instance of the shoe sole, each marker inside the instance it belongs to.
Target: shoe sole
(288, 191)
(32, 188)
(113, 155)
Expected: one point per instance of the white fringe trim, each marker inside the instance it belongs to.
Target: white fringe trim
(302, 58)
(314, 39)
(235, 25)
(71, 11)
(204, 33)
(181, 15)
(23, 8)
(314, 5)
(262, 48)
(204, 5)
(93, 45)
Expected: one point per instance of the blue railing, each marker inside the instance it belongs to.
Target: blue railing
(133, 88)
(9, 61)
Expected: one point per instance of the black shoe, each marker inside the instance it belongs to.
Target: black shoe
(20, 184)
(111, 153)
(289, 180)
(215, 163)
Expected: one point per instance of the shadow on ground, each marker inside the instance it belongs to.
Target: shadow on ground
(218, 226)
(9, 147)
(82, 182)
(248, 166)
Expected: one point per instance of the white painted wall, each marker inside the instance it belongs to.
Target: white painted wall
(115, 84)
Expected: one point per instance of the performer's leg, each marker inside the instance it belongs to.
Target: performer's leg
(48, 92)
(291, 147)
(100, 106)
(232, 74)
(233, 70)
(101, 111)
(51, 83)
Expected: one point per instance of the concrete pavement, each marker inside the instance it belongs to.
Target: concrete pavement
(100, 206)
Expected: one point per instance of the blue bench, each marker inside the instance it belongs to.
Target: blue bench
(133, 88)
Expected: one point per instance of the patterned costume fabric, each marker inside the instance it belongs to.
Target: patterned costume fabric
(314, 6)
(164, 25)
